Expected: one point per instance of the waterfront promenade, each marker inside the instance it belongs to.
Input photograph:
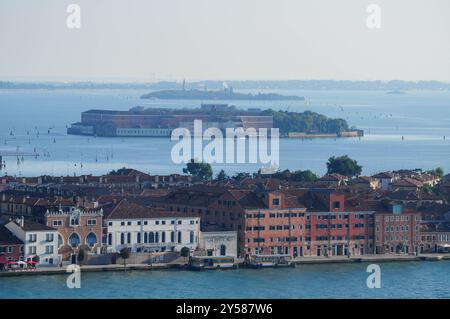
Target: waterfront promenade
(180, 264)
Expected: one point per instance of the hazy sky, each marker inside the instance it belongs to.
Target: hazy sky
(224, 39)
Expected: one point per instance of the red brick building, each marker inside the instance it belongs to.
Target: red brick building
(11, 247)
(397, 231)
(304, 222)
(76, 228)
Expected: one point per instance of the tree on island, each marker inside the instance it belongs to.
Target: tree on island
(343, 165)
(222, 176)
(200, 170)
(124, 254)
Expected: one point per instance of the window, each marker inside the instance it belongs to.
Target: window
(276, 201)
(179, 237)
(49, 249)
(122, 239)
(191, 237)
(57, 223)
(179, 222)
(32, 238)
(163, 237)
(91, 239)
(31, 250)
(172, 237)
(336, 205)
(74, 221)
(129, 238)
(129, 223)
(91, 222)
(49, 237)
(110, 239)
(74, 240)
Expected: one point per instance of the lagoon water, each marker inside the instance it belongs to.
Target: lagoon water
(398, 280)
(421, 117)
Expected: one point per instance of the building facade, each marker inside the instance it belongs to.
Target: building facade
(150, 230)
(40, 241)
(76, 228)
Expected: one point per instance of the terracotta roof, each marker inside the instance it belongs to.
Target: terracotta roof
(128, 210)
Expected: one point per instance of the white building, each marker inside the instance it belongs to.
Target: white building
(219, 243)
(39, 240)
(150, 230)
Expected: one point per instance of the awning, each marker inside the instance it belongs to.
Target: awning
(3, 260)
(31, 262)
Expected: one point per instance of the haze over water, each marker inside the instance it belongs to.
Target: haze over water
(421, 117)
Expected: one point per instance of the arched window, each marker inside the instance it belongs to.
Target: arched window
(191, 237)
(138, 238)
(122, 238)
(74, 240)
(145, 238)
(152, 237)
(163, 237)
(156, 237)
(172, 237)
(91, 239)
(110, 239)
(129, 238)
(223, 250)
(179, 237)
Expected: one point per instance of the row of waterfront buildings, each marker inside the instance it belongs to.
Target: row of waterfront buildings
(52, 218)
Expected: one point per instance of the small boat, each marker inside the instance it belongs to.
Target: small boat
(276, 260)
(211, 262)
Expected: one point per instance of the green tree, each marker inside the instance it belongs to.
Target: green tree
(124, 254)
(200, 170)
(343, 165)
(304, 176)
(222, 176)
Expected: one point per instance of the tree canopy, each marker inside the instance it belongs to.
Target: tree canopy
(307, 122)
(343, 165)
(200, 170)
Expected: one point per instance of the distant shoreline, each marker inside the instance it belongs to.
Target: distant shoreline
(319, 85)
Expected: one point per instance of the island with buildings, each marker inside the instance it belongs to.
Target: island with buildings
(225, 94)
(159, 122)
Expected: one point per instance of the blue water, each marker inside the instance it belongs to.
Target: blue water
(398, 280)
(421, 117)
